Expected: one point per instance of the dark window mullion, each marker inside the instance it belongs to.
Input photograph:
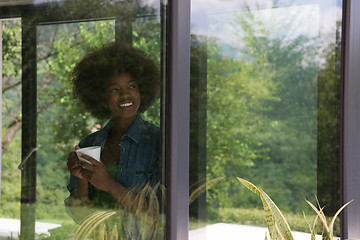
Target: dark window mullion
(29, 112)
(123, 32)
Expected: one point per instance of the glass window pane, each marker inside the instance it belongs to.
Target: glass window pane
(265, 106)
(93, 79)
(10, 181)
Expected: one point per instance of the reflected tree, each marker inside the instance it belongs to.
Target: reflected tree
(265, 117)
(329, 125)
(11, 81)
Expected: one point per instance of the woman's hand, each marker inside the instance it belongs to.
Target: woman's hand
(73, 164)
(99, 177)
(96, 173)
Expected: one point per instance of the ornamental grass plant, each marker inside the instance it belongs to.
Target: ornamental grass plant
(278, 227)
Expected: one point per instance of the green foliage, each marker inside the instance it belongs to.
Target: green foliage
(10, 180)
(66, 231)
(200, 187)
(11, 103)
(290, 130)
(329, 123)
(11, 48)
(11, 70)
(262, 110)
(256, 217)
(243, 216)
(234, 89)
(150, 43)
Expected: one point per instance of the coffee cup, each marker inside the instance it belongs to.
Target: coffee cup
(93, 152)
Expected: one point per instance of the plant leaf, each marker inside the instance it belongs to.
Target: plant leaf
(320, 208)
(199, 190)
(250, 186)
(270, 221)
(310, 228)
(320, 214)
(277, 224)
(280, 221)
(336, 214)
(86, 228)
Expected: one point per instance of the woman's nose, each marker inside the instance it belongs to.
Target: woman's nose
(123, 92)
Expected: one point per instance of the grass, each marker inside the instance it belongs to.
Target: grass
(256, 217)
(66, 231)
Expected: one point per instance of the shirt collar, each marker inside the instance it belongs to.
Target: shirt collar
(134, 132)
(102, 135)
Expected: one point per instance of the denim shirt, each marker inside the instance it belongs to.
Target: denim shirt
(139, 157)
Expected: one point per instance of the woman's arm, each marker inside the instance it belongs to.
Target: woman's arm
(82, 192)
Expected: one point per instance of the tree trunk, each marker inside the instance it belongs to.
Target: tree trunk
(13, 127)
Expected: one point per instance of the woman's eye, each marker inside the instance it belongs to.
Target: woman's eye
(114, 90)
(132, 86)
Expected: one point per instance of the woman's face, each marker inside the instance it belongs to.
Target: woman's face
(122, 96)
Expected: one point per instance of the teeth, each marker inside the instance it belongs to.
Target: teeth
(126, 104)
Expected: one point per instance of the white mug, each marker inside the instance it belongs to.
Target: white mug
(93, 152)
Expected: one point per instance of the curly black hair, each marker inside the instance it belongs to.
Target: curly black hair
(100, 64)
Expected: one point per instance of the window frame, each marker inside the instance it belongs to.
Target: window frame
(177, 98)
(178, 113)
(351, 118)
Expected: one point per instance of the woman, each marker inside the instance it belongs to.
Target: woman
(118, 84)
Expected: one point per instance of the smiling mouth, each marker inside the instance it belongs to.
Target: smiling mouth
(126, 104)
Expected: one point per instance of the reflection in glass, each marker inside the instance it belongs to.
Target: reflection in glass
(11, 120)
(267, 83)
(58, 34)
